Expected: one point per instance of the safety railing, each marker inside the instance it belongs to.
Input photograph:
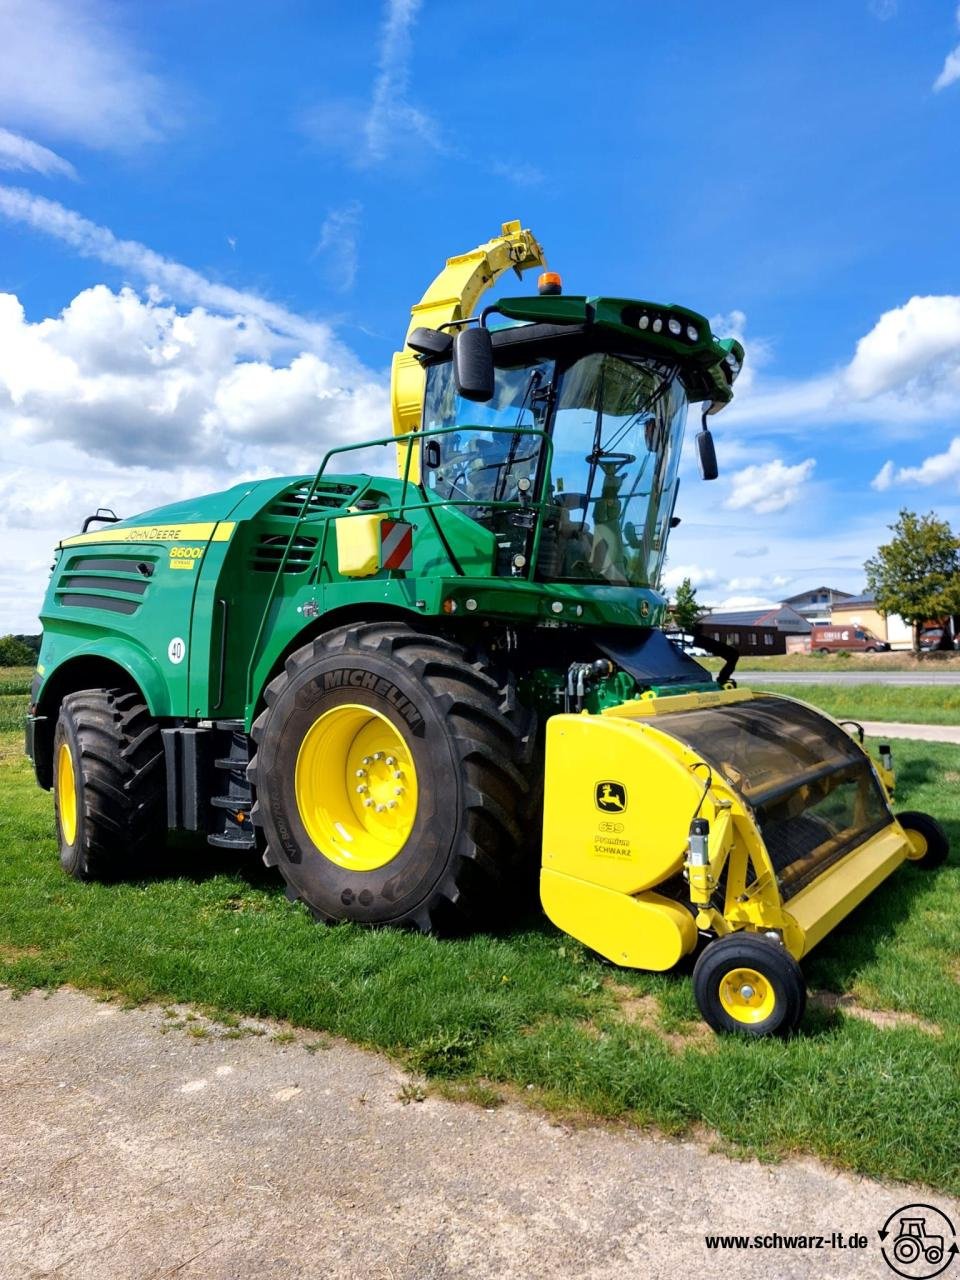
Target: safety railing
(398, 510)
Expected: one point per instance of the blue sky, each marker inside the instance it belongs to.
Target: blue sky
(214, 218)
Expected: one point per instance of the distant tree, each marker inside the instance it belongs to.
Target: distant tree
(917, 573)
(14, 653)
(686, 611)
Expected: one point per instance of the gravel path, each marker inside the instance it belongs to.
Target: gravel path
(128, 1154)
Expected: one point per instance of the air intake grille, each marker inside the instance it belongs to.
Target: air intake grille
(327, 496)
(269, 550)
(115, 584)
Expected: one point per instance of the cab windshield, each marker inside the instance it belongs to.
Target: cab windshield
(616, 424)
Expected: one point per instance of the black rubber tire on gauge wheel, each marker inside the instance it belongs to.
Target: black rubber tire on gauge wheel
(390, 779)
(928, 838)
(108, 782)
(750, 986)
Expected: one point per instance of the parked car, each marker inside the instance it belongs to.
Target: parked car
(849, 639)
(931, 637)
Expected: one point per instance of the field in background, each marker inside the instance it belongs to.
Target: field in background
(842, 662)
(528, 1012)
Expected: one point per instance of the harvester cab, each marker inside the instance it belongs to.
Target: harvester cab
(379, 681)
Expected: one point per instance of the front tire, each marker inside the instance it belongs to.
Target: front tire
(390, 780)
(108, 783)
(747, 985)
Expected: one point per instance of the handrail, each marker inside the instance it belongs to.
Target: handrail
(398, 509)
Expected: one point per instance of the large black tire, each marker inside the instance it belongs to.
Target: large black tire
(928, 837)
(469, 743)
(107, 742)
(724, 970)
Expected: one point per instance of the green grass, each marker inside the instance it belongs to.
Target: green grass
(531, 1007)
(899, 661)
(910, 704)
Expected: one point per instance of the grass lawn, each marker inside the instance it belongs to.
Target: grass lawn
(898, 661)
(531, 1007)
(910, 704)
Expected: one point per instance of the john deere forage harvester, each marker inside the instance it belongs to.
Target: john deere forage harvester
(378, 681)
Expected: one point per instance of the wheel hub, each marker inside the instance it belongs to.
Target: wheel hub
(746, 995)
(356, 787)
(67, 793)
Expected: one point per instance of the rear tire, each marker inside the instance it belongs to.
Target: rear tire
(931, 848)
(108, 781)
(389, 772)
(747, 985)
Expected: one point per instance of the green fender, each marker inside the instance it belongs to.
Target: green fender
(141, 666)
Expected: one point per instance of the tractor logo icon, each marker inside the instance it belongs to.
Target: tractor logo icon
(918, 1241)
(611, 797)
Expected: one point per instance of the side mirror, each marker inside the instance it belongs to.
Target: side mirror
(707, 455)
(473, 363)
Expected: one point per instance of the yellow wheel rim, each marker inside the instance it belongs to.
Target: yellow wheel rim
(746, 995)
(918, 845)
(67, 793)
(356, 787)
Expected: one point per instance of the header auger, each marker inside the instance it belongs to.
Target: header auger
(387, 684)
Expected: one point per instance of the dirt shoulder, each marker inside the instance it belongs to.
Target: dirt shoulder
(130, 1149)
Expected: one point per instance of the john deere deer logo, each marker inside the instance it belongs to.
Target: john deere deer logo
(610, 797)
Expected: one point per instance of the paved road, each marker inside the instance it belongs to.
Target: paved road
(919, 732)
(128, 1154)
(847, 677)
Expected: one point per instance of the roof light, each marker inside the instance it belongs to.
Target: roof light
(643, 322)
(692, 333)
(549, 282)
(657, 325)
(675, 327)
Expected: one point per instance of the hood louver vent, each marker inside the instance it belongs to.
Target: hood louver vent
(327, 496)
(269, 551)
(115, 584)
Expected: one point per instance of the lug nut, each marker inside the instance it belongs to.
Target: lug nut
(368, 803)
(367, 760)
(390, 761)
(392, 804)
(361, 789)
(398, 791)
(361, 773)
(398, 774)
(380, 808)
(378, 755)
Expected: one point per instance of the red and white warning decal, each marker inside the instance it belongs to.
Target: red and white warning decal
(396, 545)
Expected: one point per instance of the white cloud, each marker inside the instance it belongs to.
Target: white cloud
(920, 340)
(67, 71)
(939, 468)
(698, 575)
(29, 157)
(951, 67)
(183, 283)
(904, 372)
(751, 553)
(768, 487)
(387, 125)
(338, 238)
(392, 118)
(120, 378)
(883, 479)
(124, 401)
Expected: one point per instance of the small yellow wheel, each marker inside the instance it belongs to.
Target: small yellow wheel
(749, 985)
(929, 846)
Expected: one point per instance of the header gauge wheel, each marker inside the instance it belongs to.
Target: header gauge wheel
(747, 985)
(390, 779)
(929, 846)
